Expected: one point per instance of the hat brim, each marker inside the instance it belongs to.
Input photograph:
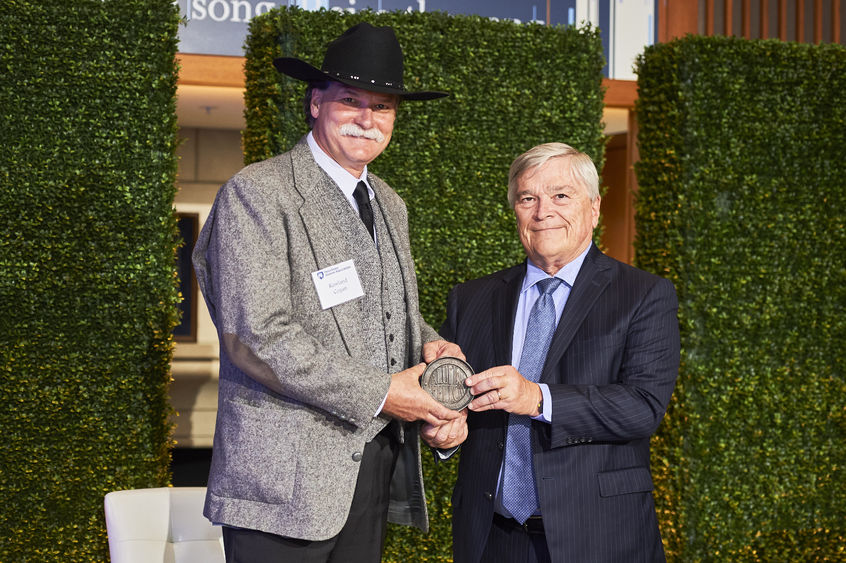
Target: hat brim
(301, 70)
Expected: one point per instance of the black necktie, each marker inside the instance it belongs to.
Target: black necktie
(365, 211)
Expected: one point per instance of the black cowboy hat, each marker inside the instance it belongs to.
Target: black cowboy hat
(365, 57)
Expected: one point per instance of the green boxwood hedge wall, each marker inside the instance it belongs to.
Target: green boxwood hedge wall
(741, 204)
(513, 86)
(87, 242)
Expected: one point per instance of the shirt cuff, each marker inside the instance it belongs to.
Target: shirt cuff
(546, 414)
(446, 454)
(379, 410)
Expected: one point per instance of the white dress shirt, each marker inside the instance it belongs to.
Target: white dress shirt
(345, 181)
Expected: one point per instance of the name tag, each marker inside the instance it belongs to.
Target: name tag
(337, 284)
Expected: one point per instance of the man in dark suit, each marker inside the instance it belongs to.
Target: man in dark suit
(576, 357)
(306, 266)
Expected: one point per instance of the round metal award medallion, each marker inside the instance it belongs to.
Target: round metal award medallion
(444, 381)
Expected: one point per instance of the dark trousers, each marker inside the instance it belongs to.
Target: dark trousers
(508, 542)
(360, 540)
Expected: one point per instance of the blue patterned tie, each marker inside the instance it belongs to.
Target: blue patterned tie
(518, 482)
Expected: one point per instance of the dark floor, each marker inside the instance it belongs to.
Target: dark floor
(190, 466)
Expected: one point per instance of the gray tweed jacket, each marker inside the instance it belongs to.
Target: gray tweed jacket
(296, 399)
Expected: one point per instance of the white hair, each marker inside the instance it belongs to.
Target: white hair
(581, 164)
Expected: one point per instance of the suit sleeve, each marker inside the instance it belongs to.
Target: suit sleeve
(427, 333)
(639, 383)
(448, 330)
(243, 269)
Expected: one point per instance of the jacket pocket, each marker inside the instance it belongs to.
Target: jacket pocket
(258, 457)
(625, 481)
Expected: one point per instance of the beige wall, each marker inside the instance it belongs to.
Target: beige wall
(207, 158)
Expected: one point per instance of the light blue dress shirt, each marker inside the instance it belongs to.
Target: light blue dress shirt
(529, 293)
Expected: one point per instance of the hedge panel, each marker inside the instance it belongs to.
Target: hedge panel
(741, 204)
(87, 242)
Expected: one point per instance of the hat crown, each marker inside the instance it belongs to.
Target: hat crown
(365, 57)
(367, 54)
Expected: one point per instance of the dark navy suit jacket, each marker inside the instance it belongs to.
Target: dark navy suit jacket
(611, 369)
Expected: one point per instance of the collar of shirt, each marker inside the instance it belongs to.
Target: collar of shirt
(345, 181)
(567, 274)
(529, 294)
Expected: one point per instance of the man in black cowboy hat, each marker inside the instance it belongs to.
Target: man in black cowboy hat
(306, 268)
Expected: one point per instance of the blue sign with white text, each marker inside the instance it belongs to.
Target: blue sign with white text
(219, 27)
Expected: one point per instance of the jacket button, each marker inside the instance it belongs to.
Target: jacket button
(388, 315)
(356, 456)
(488, 495)
(500, 445)
(391, 337)
(393, 362)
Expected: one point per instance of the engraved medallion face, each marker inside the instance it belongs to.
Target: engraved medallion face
(444, 381)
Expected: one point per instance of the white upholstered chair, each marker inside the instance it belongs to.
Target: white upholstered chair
(163, 525)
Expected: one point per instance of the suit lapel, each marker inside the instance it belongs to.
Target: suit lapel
(317, 210)
(590, 283)
(396, 235)
(328, 243)
(503, 308)
(394, 213)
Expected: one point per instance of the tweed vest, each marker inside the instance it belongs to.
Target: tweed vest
(383, 305)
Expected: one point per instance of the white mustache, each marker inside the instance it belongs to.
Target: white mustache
(354, 130)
